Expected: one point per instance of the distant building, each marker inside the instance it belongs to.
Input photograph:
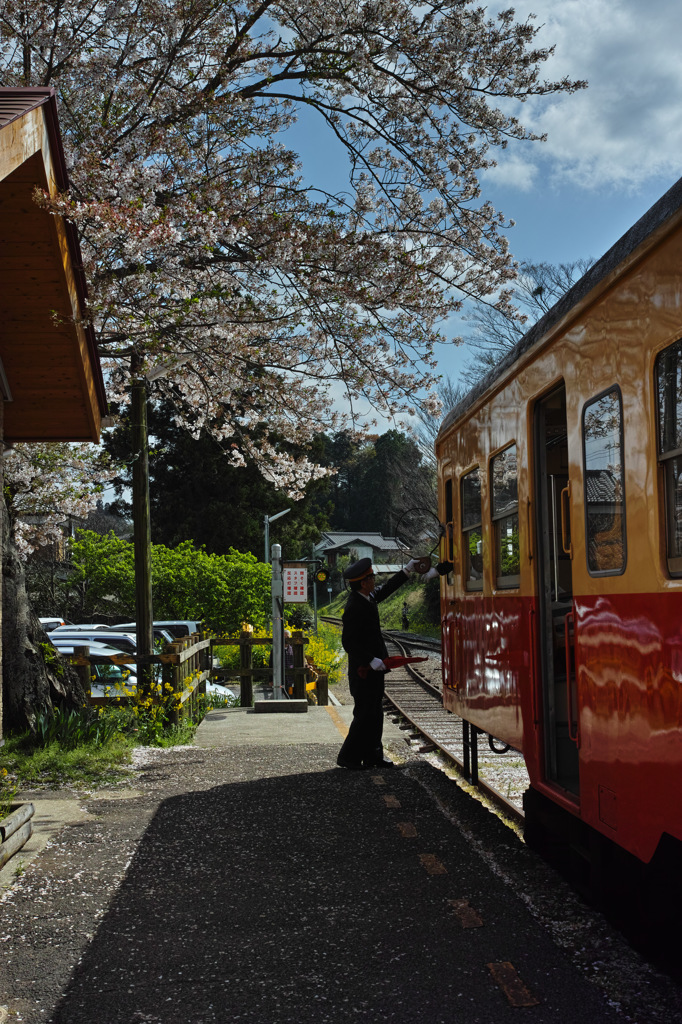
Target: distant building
(388, 554)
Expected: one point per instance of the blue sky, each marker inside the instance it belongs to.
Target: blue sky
(612, 149)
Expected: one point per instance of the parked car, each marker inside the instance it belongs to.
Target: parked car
(161, 636)
(109, 677)
(178, 627)
(69, 627)
(122, 641)
(49, 624)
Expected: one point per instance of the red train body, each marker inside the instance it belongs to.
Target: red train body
(560, 479)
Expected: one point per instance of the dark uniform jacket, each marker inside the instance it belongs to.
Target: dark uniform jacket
(361, 634)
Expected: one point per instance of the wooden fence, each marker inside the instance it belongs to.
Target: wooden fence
(299, 680)
(187, 666)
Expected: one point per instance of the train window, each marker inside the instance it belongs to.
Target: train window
(505, 517)
(604, 484)
(669, 406)
(472, 537)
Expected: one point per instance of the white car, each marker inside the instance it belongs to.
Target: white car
(76, 627)
(178, 627)
(52, 623)
(109, 677)
(126, 642)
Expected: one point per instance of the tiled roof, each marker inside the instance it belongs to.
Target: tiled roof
(329, 541)
(602, 487)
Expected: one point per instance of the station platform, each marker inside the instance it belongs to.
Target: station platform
(248, 879)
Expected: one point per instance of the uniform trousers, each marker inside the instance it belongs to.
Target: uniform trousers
(363, 742)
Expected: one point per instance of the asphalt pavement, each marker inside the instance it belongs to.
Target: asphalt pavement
(248, 879)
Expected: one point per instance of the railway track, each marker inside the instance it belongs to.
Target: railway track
(414, 694)
(495, 769)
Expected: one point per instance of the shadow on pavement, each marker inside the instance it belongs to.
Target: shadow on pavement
(303, 898)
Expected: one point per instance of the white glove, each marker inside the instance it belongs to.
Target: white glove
(431, 574)
(377, 664)
(411, 565)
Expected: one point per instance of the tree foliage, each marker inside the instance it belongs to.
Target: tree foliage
(195, 494)
(212, 258)
(187, 583)
(382, 484)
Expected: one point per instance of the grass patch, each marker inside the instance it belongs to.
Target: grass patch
(52, 767)
(88, 748)
(391, 610)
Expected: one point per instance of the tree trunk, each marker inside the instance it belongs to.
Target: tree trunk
(35, 675)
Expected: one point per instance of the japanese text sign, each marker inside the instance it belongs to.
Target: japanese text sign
(295, 584)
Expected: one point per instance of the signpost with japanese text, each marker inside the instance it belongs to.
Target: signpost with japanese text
(295, 585)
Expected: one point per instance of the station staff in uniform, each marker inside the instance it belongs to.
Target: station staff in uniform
(363, 643)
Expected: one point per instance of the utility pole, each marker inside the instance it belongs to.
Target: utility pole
(277, 623)
(142, 542)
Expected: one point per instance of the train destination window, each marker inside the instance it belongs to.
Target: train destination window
(669, 407)
(505, 517)
(604, 484)
(472, 537)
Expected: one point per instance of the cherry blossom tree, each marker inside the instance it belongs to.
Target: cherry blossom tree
(213, 258)
(45, 484)
(259, 299)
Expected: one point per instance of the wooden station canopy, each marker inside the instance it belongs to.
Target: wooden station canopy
(50, 372)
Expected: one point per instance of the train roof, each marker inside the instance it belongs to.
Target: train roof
(652, 226)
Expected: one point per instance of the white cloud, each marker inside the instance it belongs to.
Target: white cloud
(626, 127)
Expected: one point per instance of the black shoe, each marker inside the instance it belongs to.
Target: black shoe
(353, 765)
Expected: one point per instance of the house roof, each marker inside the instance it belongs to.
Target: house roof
(53, 382)
(332, 541)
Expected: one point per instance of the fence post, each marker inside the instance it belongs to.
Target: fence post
(245, 666)
(84, 670)
(177, 684)
(299, 665)
(322, 688)
(205, 666)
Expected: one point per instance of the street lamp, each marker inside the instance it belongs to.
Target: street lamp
(266, 523)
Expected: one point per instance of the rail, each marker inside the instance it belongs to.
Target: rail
(437, 727)
(15, 831)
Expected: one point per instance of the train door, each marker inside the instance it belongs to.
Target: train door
(555, 592)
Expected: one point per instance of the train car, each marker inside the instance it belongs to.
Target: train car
(560, 481)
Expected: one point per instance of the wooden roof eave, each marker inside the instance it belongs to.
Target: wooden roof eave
(54, 373)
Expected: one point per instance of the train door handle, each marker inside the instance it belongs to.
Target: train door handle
(529, 525)
(573, 728)
(533, 680)
(565, 520)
